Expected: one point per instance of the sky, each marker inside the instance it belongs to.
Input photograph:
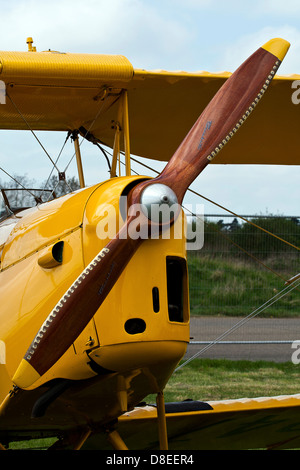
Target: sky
(189, 35)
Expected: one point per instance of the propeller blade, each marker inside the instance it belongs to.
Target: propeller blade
(227, 111)
(76, 308)
(224, 115)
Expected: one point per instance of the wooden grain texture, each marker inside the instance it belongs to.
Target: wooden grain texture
(79, 304)
(227, 111)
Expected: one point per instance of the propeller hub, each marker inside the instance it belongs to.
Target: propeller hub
(159, 203)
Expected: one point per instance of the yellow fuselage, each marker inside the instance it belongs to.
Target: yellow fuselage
(138, 329)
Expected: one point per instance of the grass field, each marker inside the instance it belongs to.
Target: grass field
(232, 286)
(219, 379)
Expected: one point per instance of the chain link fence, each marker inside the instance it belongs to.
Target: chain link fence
(240, 268)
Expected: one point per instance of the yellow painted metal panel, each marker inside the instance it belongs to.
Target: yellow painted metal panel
(258, 423)
(33, 292)
(44, 225)
(55, 68)
(66, 91)
(164, 106)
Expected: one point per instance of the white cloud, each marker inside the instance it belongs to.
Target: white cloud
(235, 54)
(191, 4)
(130, 27)
(249, 189)
(278, 7)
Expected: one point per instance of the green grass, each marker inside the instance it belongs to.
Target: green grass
(221, 379)
(234, 287)
(33, 444)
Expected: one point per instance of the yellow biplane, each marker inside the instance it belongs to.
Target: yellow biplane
(94, 320)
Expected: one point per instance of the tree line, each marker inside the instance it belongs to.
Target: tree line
(22, 191)
(219, 236)
(264, 235)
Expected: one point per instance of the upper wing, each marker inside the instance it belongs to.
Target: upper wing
(65, 92)
(261, 423)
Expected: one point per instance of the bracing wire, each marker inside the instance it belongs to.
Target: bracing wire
(223, 234)
(18, 182)
(33, 133)
(242, 322)
(54, 166)
(105, 155)
(227, 210)
(292, 285)
(86, 133)
(244, 219)
(241, 248)
(36, 137)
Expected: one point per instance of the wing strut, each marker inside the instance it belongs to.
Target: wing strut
(116, 441)
(122, 124)
(161, 419)
(78, 159)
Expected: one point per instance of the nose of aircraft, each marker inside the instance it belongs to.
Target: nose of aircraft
(144, 321)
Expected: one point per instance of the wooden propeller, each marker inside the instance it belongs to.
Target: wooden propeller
(220, 120)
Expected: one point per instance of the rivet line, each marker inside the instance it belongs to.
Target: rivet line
(62, 301)
(246, 113)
